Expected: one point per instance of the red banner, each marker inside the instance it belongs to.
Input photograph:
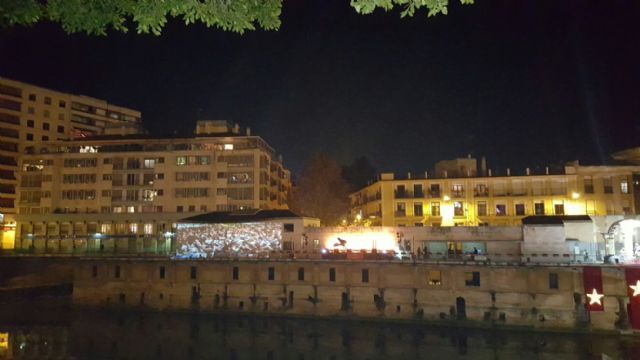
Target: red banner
(632, 275)
(592, 279)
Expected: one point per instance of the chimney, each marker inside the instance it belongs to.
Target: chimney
(444, 174)
(426, 174)
(468, 172)
(280, 158)
(528, 171)
(546, 170)
(489, 172)
(236, 129)
(248, 131)
(483, 166)
(409, 175)
(508, 172)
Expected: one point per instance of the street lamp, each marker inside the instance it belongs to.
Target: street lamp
(575, 195)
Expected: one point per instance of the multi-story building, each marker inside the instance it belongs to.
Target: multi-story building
(136, 187)
(460, 194)
(30, 115)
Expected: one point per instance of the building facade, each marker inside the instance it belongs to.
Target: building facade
(30, 115)
(137, 186)
(465, 197)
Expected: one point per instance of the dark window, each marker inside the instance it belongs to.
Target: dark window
(179, 209)
(472, 278)
(162, 272)
(301, 274)
(501, 210)
(117, 272)
(236, 273)
(520, 209)
(539, 208)
(194, 272)
(30, 137)
(332, 274)
(553, 281)
(62, 104)
(32, 97)
(365, 275)
(45, 138)
(288, 227)
(47, 100)
(559, 209)
(45, 126)
(61, 129)
(30, 123)
(94, 271)
(417, 209)
(272, 273)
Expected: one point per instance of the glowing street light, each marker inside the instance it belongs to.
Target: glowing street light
(575, 195)
(446, 198)
(359, 217)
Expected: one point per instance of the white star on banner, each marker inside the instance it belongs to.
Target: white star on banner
(636, 288)
(595, 298)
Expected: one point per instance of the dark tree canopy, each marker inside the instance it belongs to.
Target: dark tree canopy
(150, 16)
(321, 192)
(359, 173)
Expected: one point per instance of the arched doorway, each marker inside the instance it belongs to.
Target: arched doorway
(622, 240)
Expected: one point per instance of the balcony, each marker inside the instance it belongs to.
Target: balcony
(418, 194)
(457, 193)
(402, 194)
(481, 193)
(434, 193)
(400, 213)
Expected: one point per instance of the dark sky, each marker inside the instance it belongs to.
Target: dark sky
(526, 83)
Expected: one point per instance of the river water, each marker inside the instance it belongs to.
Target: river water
(52, 329)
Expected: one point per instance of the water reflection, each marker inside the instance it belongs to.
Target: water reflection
(61, 333)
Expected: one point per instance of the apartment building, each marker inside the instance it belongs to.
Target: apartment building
(462, 194)
(31, 114)
(137, 187)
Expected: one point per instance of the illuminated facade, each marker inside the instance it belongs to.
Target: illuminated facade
(30, 115)
(459, 195)
(136, 188)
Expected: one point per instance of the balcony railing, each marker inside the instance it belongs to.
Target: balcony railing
(399, 213)
(481, 193)
(457, 194)
(434, 193)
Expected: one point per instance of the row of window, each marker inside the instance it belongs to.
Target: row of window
(434, 277)
(482, 209)
(47, 101)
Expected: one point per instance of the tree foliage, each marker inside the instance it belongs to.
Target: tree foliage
(359, 173)
(150, 16)
(321, 192)
(96, 17)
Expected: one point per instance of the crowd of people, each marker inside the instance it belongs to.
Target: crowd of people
(197, 241)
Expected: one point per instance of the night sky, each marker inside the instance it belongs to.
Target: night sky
(525, 83)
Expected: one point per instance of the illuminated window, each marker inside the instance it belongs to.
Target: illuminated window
(228, 146)
(133, 228)
(457, 190)
(472, 278)
(624, 186)
(434, 277)
(105, 228)
(458, 209)
(181, 160)
(435, 209)
(131, 209)
(149, 163)
(482, 208)
(501, 210)
(204, 160)
(117, 209)
(148, 229)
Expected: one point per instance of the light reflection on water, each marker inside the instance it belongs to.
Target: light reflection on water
(53, 330)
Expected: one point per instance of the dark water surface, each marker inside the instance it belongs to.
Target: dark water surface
(51, 329)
